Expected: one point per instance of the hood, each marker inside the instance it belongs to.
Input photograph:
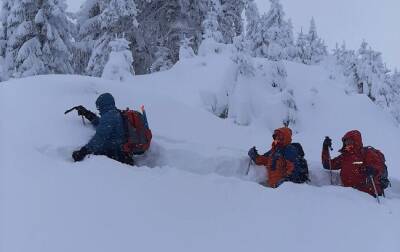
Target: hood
(355, 136)
(285, 134)
(105, 103)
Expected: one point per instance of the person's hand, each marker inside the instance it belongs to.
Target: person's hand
(327, 143)
(370, 171)
(82, 111)
(253, 154)
(80, 154)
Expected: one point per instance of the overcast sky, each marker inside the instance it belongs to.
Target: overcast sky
(376, 21)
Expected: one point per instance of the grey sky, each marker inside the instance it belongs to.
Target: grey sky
(376, 21)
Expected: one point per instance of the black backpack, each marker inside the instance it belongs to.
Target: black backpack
(384, 176)
(301, 174)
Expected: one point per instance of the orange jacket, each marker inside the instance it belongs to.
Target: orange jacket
(277, 161)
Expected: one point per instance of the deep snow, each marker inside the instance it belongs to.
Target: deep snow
(190, 192)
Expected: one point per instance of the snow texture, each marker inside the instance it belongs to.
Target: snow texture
(190, 191)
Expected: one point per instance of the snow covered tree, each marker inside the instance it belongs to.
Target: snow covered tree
(276, 38)
(186, 50)
(120, 62)
(302, 48)
(211, 25)
(242, 57)
(162, 61)
(230, 19)
(212, 35)
(35, 38)
(99, 22)
(289, 102)
(348, 62)
(372, 73)
(278, 75)
(253, 27)
(317, 46)
(310, 48)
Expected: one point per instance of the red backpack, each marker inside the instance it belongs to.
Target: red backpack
(137, 132)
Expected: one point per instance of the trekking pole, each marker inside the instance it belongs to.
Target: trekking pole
(330, 164)
(375, 191)
(248, 167)
(144, 115)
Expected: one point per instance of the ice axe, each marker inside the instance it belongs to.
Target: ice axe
(75, 108)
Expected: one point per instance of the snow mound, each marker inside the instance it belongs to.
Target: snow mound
(190, 192)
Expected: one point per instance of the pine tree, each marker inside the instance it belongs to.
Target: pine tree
(100, 21)
(230, 19)
(162, 61)
(253, 27)
(36, 38)
(120, 62)
(302, 48)
(372, 72)
(242, 57)
(310, 48)
(317, 47)
(276, 34)
(211, 29)
(289, 102)
(186, 50)
(212, 36)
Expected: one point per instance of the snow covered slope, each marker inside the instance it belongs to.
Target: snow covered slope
(190, 192)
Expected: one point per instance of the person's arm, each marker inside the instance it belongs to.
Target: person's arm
(336, 163)
(103, 131)
(263, 159)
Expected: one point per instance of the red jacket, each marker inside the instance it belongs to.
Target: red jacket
(277, 162)
(352, 164)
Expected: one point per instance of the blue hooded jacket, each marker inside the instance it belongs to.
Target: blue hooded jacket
(109, 135)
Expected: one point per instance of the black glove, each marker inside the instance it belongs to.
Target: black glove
(82, 111)
(370, 171)
(327, 143)
(253, 154)
(80, 154)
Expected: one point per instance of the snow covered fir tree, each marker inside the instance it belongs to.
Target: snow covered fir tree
(36, 38)
(120, 61)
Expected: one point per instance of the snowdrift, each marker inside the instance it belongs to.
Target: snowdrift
(190, 192)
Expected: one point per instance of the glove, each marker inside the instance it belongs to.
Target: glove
(253, 154)
(80, 154)
(327, 143)
(370, 171)
(82, 111)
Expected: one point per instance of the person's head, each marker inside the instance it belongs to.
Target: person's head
(105, 102)
(352, 141)
(282, 137)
